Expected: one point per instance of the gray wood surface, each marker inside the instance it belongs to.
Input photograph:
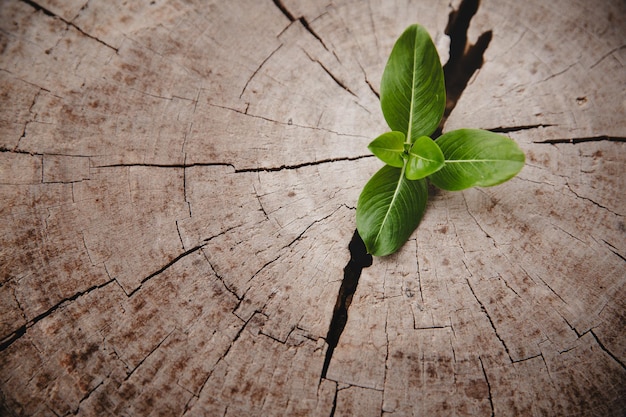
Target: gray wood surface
(178, 182)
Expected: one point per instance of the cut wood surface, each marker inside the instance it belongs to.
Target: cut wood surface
(178, 182)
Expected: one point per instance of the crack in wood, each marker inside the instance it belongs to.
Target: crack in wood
(614, 250)
(313, 223)
(17, 301)
(222, 357)
(544, 283)
(345, 386)
(4, 149)
(221, 279)
(308, 28)
(182, 243)
(556, 74)
(595, 203)
(223, 232)
(178, 166)
(368, 82)
(493, 326)
(258, 197)
(386, 361)
(304, 164)
(265, 265)
(487, 235)
(288, 123)
(506, 284)
(162, 269)
(334, 407)
(452, 349)
(18, 151)
(489, 395)
(274, 338)
(9, 339)
(258, 69)
(145, 93)
(608, 352)
(32, 114)
(572, 328)
(359, 259)
(508, 129)
(434, 327)
(330, 74)
(603, 57)
(465, 59)
(86, 396)
(302, 20)
(574, 141)
(52, 410)
(154, 349)
(284, 10)
(48, 12)
(184, 189)
(528, 357)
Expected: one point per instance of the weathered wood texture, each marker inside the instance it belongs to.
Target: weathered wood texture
(178, 182)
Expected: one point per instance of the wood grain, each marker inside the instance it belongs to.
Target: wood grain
(178, 183)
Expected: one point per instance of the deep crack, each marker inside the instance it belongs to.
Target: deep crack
(465, 59)
(508, 129)
(574, 141)
(359, 259)
(284, 10)
(305, 24)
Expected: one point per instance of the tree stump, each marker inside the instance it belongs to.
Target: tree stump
(179, 181)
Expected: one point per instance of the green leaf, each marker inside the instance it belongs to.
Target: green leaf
(412, 90)
(476, 157)
(389, 147)
(425, 157)
(389, 209)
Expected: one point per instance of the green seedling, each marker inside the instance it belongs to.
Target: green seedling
(413, 99)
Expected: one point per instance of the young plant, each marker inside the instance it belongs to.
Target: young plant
(413, 99)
